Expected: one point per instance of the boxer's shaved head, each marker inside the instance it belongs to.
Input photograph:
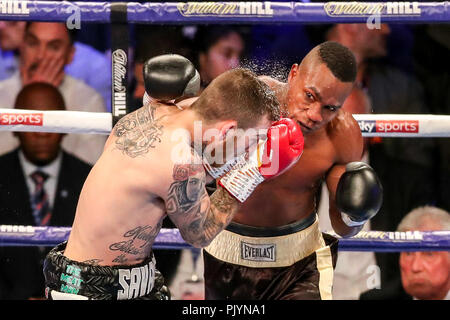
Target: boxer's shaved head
(338, 58)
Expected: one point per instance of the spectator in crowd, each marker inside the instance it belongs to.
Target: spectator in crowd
(11, 37)
(218, 49)
(46, 49)
(425, 275)
(40, 187)
(354, 271)
(404, 166)
(88, 64)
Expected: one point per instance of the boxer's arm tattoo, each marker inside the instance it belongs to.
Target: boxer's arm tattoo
(199, 217)
(138, 132)
(138, 241)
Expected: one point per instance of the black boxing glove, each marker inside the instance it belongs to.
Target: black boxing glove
(168, 77)
(359, 194)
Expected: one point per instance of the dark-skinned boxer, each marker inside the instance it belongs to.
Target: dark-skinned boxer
(144, 175)
(273, 248)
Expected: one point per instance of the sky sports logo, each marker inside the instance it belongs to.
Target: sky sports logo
(401, 126)
(27, 119)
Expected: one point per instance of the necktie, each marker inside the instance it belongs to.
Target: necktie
(39, 199)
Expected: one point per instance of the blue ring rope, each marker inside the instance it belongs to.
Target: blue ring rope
(219, 12)
(376, 241)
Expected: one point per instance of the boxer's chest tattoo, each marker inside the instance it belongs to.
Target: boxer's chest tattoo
(137, 241)
(138, 132)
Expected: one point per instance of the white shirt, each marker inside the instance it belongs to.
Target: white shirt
(181, 284)
(93, 68)
(52, 169)
(77, 97)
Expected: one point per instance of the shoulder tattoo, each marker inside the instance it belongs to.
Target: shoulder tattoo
(138, 132)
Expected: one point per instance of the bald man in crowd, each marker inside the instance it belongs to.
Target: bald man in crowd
(40, 187)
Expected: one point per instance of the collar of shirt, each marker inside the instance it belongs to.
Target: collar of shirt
(52, 169)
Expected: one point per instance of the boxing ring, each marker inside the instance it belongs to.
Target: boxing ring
(120, 14)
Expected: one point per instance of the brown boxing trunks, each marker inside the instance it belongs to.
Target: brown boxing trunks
(293, 262)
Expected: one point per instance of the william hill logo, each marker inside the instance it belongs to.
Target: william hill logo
(230, 9)
(258, 252)
(14, 7)
(355, 9)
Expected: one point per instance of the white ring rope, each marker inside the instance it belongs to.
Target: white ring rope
(403, 125)
(55, 121)
(372, 125)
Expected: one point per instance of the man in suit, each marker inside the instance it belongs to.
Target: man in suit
(39, 185)
(425, 275)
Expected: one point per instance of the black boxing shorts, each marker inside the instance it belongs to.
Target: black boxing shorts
(71, 280)
(292, 262)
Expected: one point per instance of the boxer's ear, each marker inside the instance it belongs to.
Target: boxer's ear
(293, 72)
(227, 126)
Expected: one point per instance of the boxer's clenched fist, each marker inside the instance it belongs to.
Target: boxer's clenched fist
(170, 76)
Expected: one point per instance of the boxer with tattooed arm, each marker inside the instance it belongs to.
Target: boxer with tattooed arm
(152, 167)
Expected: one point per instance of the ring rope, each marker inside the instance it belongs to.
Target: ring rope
(55, 121)
(229, 12)
(376, 241)
(372, 125)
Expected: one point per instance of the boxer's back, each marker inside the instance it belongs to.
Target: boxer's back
(120, 212)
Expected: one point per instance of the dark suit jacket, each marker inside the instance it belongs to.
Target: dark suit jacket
(21, 273)
(393, 291)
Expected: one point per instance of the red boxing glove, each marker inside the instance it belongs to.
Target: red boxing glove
(271, 157)
(284, 148)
